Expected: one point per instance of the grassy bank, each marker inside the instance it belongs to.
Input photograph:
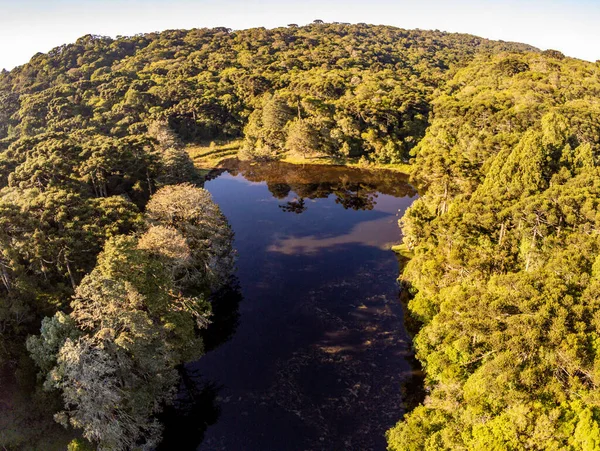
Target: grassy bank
(210, 155)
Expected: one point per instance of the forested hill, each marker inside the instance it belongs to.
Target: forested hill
(506, 264)
(353, 89)
(103, 233)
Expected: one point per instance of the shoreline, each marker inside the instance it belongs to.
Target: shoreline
(208, 157)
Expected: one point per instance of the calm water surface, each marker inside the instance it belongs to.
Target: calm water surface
(312, 352)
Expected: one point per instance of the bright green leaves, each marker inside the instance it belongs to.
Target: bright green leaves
(587, 432)
(505, 262)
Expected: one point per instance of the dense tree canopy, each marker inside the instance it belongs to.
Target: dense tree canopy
(134, 317)
(506, 259)
(104, 235)
(339, 88)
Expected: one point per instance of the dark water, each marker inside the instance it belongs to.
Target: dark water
(312, 352)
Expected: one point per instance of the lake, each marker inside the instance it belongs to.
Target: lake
(308, 349)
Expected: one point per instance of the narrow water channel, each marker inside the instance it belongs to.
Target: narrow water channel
(313, 353)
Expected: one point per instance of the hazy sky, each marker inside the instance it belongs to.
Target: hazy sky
(30, 26)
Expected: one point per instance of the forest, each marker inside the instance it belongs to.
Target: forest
(505, 265)
(110, 249)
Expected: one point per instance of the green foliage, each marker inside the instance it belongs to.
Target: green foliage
(505, 266)
(82, 151)
(505, 259)
(133, 318)
(302, 138)
(363, 88)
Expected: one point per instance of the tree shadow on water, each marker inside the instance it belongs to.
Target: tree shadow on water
(195, 407)
(194, 410)
(225, 315)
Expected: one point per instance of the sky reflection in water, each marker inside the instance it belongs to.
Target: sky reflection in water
(320, 351)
